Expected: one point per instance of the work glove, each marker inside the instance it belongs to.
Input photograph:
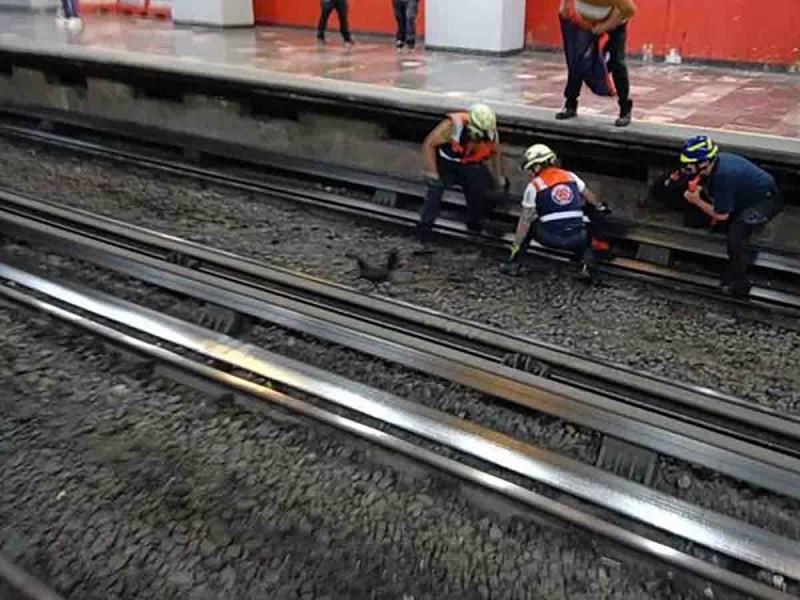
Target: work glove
(433, 180)
(603, 209)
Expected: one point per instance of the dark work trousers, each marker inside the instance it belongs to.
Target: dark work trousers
(328, 6)
(475, 180)
(70, 8)
(405, 11)
(575, 240)
(743, 226)
(616, 64)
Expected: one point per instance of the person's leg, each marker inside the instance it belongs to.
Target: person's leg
(571, 94)
(433, 198)
(411, 22)
(476, 181)
(740, 231)
(735, 277)
(618, 39)
(400, 16)
(326, 8)
(344, 26)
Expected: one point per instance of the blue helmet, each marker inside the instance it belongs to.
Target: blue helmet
(700, 148)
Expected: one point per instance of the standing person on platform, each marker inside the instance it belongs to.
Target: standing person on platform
(405, 11)
(603, 16)
(734, 190)
(70, 18)
(456, 152)
(341, 8)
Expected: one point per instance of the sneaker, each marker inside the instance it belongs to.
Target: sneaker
(399, 44)
(61, 22)
(625, 114)
(567, 113)
(410, 44)
(320, 40)
(75, 24)
(348, 45)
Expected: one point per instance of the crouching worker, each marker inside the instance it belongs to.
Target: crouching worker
(456, 153)
(553, 212)
(735, 191)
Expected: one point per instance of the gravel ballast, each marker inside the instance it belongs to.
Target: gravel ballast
(698, 341)
(117, 484)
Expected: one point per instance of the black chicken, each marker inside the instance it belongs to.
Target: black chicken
(376, 273)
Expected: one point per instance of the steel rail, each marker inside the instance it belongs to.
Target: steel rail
(718, 532)
(446, 330)
(655, 235)
(24, 586)
(735, 457)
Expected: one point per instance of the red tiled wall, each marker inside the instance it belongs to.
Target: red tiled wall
(733, 30)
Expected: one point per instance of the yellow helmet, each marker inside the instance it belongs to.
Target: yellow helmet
(482, 121)
(539, 156)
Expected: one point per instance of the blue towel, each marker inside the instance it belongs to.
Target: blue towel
(587, 57)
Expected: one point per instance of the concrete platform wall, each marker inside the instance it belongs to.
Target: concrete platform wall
(324, 137)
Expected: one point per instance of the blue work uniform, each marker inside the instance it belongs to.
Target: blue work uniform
(556, 196)
(752, 198)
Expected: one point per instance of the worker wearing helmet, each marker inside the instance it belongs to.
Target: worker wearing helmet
(555, 200)
(734, 191)
(457, 152)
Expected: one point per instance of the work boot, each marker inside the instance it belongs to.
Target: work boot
(510, 268)
(736, 290)
(625, 114)
(587, 274)
(568, 112)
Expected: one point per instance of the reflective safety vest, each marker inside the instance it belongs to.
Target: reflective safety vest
(462, 148)
(559, 202)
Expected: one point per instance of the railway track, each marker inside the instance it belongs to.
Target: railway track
(725, 434)
(399, 201)
(404, 427)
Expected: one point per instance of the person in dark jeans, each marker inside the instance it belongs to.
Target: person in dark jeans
(405, 11)
(71, 18)
(456, 152)
(611, 17)
(737, 192)
(341, 8)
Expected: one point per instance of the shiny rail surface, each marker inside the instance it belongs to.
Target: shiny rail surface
(673, 239)
(736, 539)
(16, 584)
(225, 279)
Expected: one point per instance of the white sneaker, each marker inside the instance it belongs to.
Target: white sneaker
(75, 24)
(61, 22)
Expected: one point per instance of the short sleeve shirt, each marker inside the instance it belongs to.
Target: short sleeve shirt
(737, 184)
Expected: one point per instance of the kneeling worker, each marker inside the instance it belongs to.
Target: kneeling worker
(456, 152)
(555, 199)
(736, 191)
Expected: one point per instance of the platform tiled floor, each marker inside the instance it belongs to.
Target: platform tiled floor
(733, 100)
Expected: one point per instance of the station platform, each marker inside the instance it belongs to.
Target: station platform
(748, 109)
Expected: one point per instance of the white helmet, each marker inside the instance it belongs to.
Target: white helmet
(483, 121)
(537, 157)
